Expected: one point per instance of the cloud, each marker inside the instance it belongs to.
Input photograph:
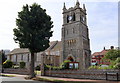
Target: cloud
(102, 20)
(103, 24)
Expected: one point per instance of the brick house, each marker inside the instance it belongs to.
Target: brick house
(97, 57)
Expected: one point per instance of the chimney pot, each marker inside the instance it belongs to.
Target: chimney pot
(112, 47)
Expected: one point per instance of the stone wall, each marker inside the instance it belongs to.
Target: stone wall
(17, 71)
(85, 74)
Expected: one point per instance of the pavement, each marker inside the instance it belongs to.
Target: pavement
(17, 79)
(67, 79)
(82, 80)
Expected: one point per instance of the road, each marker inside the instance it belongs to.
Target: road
(17, 80)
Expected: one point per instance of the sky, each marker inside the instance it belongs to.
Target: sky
(102, 20)
(119, 24)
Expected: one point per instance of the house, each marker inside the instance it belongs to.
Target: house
(19, 54)
(97, 57)
(51, 55)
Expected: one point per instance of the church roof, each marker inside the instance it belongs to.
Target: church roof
(53, 45)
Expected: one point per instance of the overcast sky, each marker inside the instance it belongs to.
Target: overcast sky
(102, 20)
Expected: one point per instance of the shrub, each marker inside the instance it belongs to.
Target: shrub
(16, 66)
(22, 64)
(117, 66)
(46, 67)
(93, 67)
(37, 67)
(117, 63)
(56, 68)
(110, 67)
(7, 64)
(65, 64)
(117, 60)
(52, 67)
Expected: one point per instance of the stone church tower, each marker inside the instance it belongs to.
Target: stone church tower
(75, 36)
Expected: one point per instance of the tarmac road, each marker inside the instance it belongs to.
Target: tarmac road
(17, 80)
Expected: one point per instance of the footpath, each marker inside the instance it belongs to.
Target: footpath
(67, 79)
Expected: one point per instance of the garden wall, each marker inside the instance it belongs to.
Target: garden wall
(16, 71)
(85, 74)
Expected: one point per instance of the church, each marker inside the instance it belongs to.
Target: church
(75, 36)
(74, 44)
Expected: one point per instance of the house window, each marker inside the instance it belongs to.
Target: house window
(11, 57)
(16, 58)
(21, 57)
(28, 57)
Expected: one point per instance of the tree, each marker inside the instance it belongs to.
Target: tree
(112, 54)
(0, 59)
(3, 56)
(117, 63)
(33, 30)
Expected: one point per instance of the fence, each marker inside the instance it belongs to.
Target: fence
(85, 74)
(16, 71)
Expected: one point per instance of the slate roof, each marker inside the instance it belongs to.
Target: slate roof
(58, 45)
(53, 45)
(103, 52)
(19, 50)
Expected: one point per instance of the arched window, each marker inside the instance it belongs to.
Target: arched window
(71, 59)
(74, 17)
(67, 18)
(81, 18)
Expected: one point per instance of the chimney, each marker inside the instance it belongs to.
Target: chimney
(104, 48)
(112, 47)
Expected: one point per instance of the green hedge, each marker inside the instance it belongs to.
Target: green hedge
(22, 64)
(7, 64)
(64, 65)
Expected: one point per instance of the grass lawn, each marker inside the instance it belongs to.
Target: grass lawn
(7, 75)
(56, 81)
